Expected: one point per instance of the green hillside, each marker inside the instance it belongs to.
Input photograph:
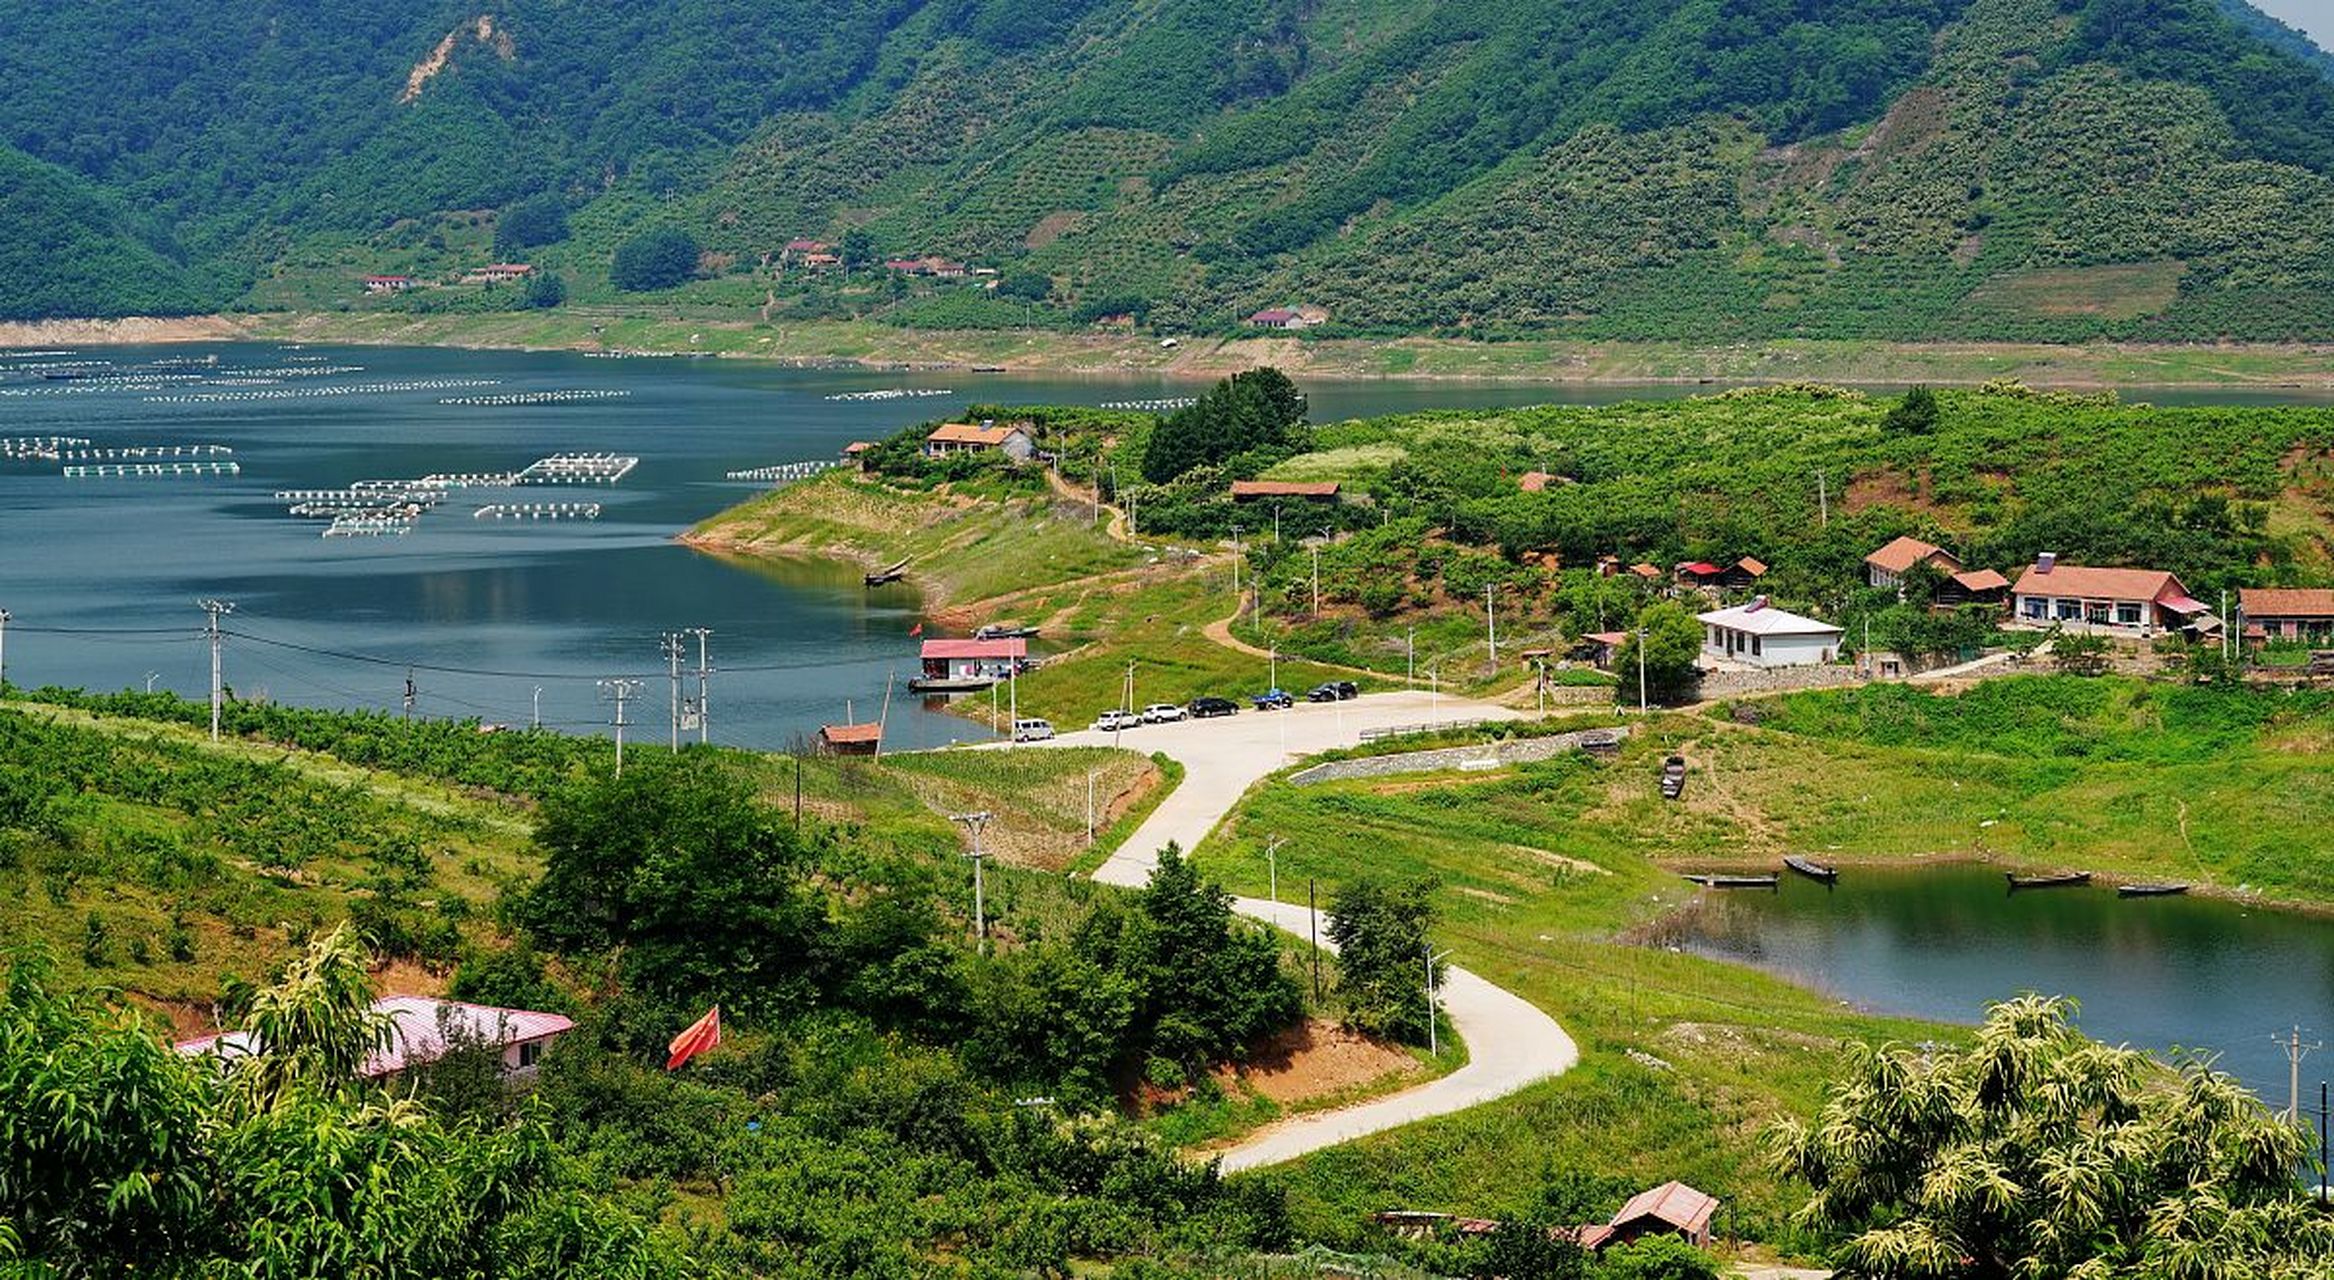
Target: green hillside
(1701, 169)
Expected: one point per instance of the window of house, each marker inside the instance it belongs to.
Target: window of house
(530, 1053)
(1754, 646)
(2098, 611)
(2036, 607)
(2127, 613)
(2070, 610)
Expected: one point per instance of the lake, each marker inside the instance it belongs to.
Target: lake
(102, 574)
(1942, 942)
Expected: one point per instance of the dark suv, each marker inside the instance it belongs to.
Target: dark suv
(1206, 708)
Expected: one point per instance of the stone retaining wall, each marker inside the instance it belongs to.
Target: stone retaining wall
(1505, 751)
(1729, 684)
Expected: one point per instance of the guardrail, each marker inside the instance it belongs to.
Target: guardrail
(1405, 730)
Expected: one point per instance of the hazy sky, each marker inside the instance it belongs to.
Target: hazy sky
(2313, 16)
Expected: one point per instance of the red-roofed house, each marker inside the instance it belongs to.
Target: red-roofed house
(1671, 1209)
(850, 739)
(425, 1030)
(951, 665)
(963, 437)
(2133, 602)
(1698, 573)
(2286, 613)
(1310, 491)
(1887, 566)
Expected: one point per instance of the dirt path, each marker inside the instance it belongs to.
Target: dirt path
(1510, 1042)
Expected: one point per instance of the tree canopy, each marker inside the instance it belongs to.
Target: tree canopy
(1243, 424)
(655, 259)
(1380, 928)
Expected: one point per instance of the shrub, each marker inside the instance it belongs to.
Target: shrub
(657, 259)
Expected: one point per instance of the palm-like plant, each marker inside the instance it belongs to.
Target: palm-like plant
(2037, 1153)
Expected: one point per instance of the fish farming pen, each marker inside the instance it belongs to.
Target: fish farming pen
(521, 398)
(578, 468)
(145, 453)
(892, 393)
(38, 448)
(150, 469)
(366, 526)
(303, 393)
(1152, 406)
(538, 511)
(786, 472)
(469, 480)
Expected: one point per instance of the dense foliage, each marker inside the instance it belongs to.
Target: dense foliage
(2039, 1152)
(1385, 958)
(1241, 425)
(1895, 168)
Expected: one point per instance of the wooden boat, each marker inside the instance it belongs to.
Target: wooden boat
(2149, 890)
(1737, 882)
(890, 574)
(2061, 881)
(1673, 777)
(1811, 869)
(999, 631)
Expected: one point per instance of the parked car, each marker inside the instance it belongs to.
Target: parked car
(1113, 721)
(1323, 693)
(1273, 700)
(1162, 713)
(1032, 730)
(1347, 689)
(1209, 708)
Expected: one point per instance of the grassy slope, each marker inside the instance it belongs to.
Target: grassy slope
(2101, 774)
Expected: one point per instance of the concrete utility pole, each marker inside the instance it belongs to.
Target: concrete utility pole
(620, 692)
(1490, 627)
(215, 609)
(1090, 773)
(535, 720)
(1316, 579)
(974, 822)
(1642, 634)
(1823, 501)
(2295, 1051)
(4, 617)
(151, 677)
(1272, 861)
(1433, 1036)
(1235, 571)
(410, 693)
(672, 651)
(704, 705)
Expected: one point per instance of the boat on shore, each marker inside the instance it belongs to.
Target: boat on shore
(2150, 890)
(1737, 882)
(889, 574)
(2064, 880)
(1000, 631)
(1812, 869)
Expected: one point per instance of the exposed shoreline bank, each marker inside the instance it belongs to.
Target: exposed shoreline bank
(863, 345)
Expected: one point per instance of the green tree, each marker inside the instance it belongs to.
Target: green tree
(2039, 1152)
(858, 249)
(1657, 1258)
(315, 1023)
(696, 883)
(531, 223)
(2079, 655)
(1381, 929)
(1672, 641)
(1026, 286)
(545, 290)
(1915, 415)
(655, 259)
(1209, 983)
(1245, 423)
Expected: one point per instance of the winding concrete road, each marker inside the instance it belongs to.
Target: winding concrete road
(1510, 1043)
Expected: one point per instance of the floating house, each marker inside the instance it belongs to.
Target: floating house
(426, 1029)
(959, 665)
(1760, 635)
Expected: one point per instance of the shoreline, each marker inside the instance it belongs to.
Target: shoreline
(2266, 369)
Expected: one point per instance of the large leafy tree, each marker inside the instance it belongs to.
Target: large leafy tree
(1245, 423)
(2037, 1152)
(1672, 641)
(1209, 984)
(1380, 928)
(656, 259)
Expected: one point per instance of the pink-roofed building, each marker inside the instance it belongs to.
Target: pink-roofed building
(1671, 1209)
(2127, 602)
(425, 1030)
(956, 665)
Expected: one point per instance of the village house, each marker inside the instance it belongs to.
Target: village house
(1888, 566)
(936, 267)
(1743, 574)
(1760, 635)
(1268, 490)
(388, 284)
(1697, 574)
(2286, 613)
(499, 273)
(850, 739)
(425, 1030)
(1645, 571)
(857, 452)
(1600, 648)
(1671, 1209)
(970, 664)
(1972, 586)
(2127, 602)
(1012, 439)
(801, 249)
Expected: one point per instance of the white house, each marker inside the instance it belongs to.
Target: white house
(1760, 635)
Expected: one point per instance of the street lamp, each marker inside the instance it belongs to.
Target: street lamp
(1272, 862)
(1433, 1036)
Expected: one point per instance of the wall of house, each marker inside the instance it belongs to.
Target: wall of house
(2148, 620)
(1770, 651)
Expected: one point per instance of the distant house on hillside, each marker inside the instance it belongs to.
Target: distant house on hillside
(1888, 566)
(1743, 574)
(936, 267)
(1972, 586)
(1012, 439)
(2286, 613)
(1266, 490)
(856, 453)
(1288, 318)
(425, 1029)
(388, 284)
(499, 273)
(1645, 571)
(2130, 602)
(1671, 1209)
(1760, 635)
(1538, 481)
(1697, 573)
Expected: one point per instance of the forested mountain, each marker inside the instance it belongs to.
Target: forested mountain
(1699, 169)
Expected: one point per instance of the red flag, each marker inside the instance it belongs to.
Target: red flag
(915, 631)
(702, 1035)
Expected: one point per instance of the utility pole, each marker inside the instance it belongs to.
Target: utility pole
(1276, 524)
(2295, 1051)
(1433, 1035)
(974, 822)
(704, 669)
(535, 719)
(410, 691)
(672, 651)
(4, 617)
(1642, 634)
(1235, 572)
(216, 609)
(620, 692)
(1313, 914)
(1090, 807)
(1823, 502)
(151, 677)
(1316, 579)
(1272, 667)
(1272, 861)
(1490, 627)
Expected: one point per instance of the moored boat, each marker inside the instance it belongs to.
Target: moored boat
(1812, 869)
(2150, 890)
(889, 574)
(2063, 880)
(1736, 882)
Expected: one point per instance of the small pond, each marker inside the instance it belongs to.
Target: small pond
(1942, 942)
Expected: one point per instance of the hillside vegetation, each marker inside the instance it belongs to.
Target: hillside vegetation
(1907, 169)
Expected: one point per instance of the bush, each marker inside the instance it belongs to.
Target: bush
(529, 224)
(545, 290)
(657, 259)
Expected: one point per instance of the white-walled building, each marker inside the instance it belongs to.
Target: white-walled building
(1760, 635)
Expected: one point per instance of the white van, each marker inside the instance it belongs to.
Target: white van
(1032, 730)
